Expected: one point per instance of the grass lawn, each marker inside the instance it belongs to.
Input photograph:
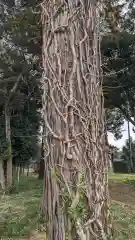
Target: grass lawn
(121, 177)
(122, 191)
(20, 212)
(123, 221)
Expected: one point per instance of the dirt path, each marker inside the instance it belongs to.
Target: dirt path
(122, 192)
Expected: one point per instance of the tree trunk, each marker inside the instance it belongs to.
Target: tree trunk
(28, 170)
(2, 178)
(42, 160)
(9, 145)
(18, 174)
(41, 169)
(77, 161)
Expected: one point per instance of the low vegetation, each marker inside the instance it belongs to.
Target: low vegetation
(122, 177)
(19, 210)
(123, 221)
(20, 218)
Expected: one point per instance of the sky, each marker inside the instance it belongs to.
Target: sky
(119, 143)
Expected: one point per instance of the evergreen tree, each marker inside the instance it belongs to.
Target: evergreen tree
(118, 50)
(126, 154)
(20, 83)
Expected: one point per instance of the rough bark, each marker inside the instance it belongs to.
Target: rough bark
(9, 145)
(76, 160)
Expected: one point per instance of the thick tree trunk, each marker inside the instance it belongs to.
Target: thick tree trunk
(9, 145)
(77, 161)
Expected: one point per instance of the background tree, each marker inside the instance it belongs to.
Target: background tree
(125, 154)
(114, 122)
(25, 104)
(118, 57)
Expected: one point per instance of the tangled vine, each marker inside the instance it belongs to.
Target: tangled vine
(75, 200)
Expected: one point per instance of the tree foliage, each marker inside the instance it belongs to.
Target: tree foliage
(118, 50)
(20, 54)
(126, 154)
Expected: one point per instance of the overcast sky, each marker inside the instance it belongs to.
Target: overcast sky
(121, 142)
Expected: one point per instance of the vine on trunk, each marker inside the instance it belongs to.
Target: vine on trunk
(75, 200)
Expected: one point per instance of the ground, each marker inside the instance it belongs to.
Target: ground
(19, 211)
(122, 192)
(20, 218)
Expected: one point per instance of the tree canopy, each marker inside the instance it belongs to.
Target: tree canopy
(118, 51)
(19, 54)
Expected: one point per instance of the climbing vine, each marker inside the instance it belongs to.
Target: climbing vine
(76, 154)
